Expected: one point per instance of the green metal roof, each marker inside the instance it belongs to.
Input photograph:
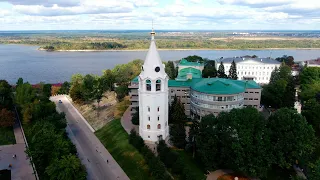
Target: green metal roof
(175, 83)
(218, 86)
(136, 79)
(184, 62)
(182, 75)
(214, 85)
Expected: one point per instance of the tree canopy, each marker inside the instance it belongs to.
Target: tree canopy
(280, 92)
(288, 60)
(221, 73)
(233, 71)
(209, 69)
(194, 58)
(171, 70)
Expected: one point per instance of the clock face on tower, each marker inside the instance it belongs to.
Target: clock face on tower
(157, 69)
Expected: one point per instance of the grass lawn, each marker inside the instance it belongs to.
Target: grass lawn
(192, 164)
(115, 139)
(7, 136)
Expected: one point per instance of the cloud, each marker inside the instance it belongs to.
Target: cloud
(46, 3)
(55, 10)
(255, 3)
(195, 1)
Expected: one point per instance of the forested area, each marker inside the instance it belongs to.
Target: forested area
(52, 152)
(7, 116)
(122, 42)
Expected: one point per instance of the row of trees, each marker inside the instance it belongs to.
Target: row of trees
(91, 87)
(210, 71)
(6, 105)
(51, 150)
(156, 167)
(243, 140)
(85, 44)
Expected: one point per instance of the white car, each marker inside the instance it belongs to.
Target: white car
(60, 101)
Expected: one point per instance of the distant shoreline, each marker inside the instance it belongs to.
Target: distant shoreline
(196, 49)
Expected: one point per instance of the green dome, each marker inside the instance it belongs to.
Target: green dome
(218, 86)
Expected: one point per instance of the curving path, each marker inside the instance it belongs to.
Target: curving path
(99, 163)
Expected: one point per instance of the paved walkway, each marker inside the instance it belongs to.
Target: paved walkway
(215, 174)
(98, 161)
(21, 167)
(126, 122)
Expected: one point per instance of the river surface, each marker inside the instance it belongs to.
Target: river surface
(37, 66)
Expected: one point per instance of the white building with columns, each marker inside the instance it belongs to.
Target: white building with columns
(153, 97)
(257, 69)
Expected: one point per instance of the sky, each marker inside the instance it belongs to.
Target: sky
(166, 14)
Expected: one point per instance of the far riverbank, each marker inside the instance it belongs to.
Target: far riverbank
(198, 49)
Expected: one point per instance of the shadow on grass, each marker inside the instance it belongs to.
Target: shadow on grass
(115, 139)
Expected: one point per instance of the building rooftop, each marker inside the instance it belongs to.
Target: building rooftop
(214, 85)
(182, 75)
(184, 62)
(218, 86)
(242, 59)
(175, 83)
(314, 62)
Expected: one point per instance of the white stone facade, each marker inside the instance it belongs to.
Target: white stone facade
(153, 97)
(257, 69)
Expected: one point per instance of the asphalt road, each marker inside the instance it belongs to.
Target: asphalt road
(99, 163)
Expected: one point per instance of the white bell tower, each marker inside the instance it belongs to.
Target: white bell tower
(153, 97)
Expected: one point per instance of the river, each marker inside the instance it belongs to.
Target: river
(37, 66)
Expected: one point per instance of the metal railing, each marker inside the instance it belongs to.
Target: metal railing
(26, 143)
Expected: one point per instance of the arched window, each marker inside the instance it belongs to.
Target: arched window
(159, 126)
(148, 126)
(158, 118)
(158, 109)
(148, 85)
(158, 85)
(148, 109)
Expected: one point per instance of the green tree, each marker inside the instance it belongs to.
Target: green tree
(286, 125)
(221, 73)
(6, 118)
(310, 111)
(233, 71)
(76, 92)
(46, 90)
(135, 117)
(171, 70)
(25, 94)
(280, 92)
(315, 171)
(177, 112)
(209, 69)
(288, 60)
(76, 78)
(88, 86)
(121, 92)
(65, 88)
(124, 73)
(178, 135)
(98, 90)
(194, 58)
(5, 94)
(19, 82)
(108, 79)
(67, 168)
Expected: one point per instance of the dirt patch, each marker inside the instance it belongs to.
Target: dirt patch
(96, 116)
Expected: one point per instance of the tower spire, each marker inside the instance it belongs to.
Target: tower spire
(152, 32)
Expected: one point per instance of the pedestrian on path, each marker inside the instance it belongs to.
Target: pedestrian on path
(107, 161)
